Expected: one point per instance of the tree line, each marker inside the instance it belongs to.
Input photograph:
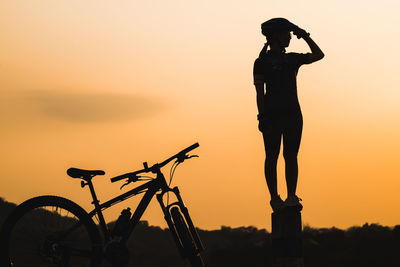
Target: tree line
(366, 245)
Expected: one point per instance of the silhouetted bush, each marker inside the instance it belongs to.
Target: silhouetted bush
(368, 245)
(5, 209)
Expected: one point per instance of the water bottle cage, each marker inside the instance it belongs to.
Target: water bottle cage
(122, 223)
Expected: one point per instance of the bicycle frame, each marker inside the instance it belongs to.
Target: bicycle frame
(149, 189)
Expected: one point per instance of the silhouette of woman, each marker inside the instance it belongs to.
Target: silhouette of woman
(279, 112)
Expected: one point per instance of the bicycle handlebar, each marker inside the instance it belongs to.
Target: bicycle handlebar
(180, 156)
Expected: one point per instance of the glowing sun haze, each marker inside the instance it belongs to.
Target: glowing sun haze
(108, 85)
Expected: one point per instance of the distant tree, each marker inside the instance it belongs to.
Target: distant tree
(370, 245)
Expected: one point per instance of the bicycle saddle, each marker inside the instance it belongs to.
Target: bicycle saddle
(84, 174)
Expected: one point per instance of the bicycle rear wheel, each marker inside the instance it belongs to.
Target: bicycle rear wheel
(187, 242)
(50, 231)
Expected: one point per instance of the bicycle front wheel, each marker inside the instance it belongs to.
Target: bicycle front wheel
(50, 231)
(186, 239)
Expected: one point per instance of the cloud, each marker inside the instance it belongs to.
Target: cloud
(94, 106)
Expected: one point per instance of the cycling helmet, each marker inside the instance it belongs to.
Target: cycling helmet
(276, 25)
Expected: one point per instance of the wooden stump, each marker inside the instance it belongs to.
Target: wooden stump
(287, 242)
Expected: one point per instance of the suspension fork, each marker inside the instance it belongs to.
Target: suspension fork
(167, 217)
(185, 212)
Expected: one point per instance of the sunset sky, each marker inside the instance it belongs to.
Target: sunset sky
(110, 84)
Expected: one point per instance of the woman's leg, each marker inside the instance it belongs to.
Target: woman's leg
(272, 143)
(291, 172)
(291, 144)
(271, 161)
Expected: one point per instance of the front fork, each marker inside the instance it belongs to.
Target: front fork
(185, 212)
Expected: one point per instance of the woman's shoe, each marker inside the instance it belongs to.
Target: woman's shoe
(293, 201)
(277, 203)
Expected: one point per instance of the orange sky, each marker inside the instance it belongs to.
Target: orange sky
(102, 85)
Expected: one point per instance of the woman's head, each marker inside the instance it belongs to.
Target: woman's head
(281, 39)
(277, 31)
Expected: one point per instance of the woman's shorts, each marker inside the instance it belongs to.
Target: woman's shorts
(288, 126)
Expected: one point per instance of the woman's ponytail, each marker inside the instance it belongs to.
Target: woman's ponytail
(264, 49)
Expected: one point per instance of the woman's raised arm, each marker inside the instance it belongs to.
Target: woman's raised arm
(316, 52)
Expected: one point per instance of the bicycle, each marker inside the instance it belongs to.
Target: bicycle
(58, 232)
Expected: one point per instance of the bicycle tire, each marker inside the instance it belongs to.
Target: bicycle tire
(54, 231)
(186, 239)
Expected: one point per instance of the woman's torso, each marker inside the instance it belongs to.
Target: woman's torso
(280, 71)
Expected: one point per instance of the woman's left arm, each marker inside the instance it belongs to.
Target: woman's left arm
(316, 52)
